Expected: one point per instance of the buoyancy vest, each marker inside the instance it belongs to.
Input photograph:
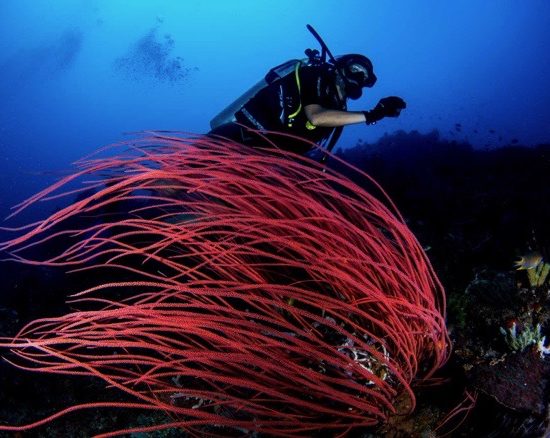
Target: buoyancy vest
(287, 73)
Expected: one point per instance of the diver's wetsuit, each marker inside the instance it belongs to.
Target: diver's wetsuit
(270, 110)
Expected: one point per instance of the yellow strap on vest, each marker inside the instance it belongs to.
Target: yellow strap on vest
(295, 113)
(291, 117)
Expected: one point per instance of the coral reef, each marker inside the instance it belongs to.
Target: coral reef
(476, 211)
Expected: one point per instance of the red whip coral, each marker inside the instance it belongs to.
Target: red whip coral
(242, 291)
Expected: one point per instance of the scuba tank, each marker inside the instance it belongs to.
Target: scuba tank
(228, 114)
(282, 70)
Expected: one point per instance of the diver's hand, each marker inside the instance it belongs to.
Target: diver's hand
(387, 107)
(391, 106)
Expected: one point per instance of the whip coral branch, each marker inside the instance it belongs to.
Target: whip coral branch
(238, 290)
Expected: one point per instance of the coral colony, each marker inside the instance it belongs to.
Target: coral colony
(237, 290)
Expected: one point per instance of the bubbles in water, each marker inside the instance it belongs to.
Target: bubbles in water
(151, 57)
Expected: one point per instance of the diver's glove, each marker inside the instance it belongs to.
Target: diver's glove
(387, 107)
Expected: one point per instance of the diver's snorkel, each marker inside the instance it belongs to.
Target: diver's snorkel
(325, 49)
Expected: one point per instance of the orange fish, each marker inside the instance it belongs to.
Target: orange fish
(529, 261)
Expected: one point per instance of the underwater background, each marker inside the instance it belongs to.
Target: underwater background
(467, 163)
(76, 75)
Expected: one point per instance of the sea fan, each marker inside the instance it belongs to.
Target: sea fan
(238, 290)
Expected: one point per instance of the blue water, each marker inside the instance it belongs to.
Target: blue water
(76, 75)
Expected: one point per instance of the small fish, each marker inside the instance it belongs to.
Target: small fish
(528, 261)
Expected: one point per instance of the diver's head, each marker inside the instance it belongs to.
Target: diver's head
(357, 72)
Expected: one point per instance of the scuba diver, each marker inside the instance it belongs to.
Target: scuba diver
(305, 99)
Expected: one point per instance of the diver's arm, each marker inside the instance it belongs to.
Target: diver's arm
(329, 118)
(387, 107)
